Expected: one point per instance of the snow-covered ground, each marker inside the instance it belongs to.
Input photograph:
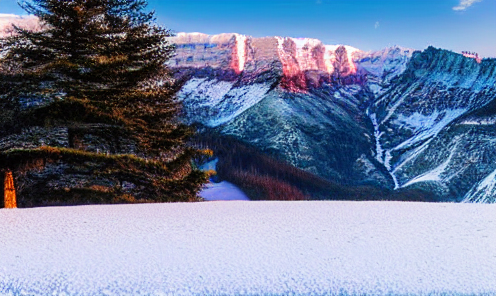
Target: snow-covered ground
(222, 191)
(250, 248)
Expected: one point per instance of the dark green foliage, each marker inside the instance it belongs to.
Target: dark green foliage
(264, 177)
(98, 68)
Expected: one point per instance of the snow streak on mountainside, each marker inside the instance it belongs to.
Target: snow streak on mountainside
(218, 102)
(483, 192)
(423, 118)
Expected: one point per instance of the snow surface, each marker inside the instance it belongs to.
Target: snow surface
(435, 174)
(484, 191)
(213, 91)
(480, 121)
(426, 126)
(222, 191)
(392, 60)
(222, 98)
(424, 129)
(250, 248)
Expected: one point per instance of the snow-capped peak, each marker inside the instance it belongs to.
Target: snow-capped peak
(25, 21)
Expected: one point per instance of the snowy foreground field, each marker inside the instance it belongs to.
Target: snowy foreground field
(250, 248)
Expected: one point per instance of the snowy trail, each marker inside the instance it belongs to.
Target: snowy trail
(250, 248)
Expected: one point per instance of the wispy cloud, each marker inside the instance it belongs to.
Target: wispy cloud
(464, 4)
(376, 25)
(318, 1)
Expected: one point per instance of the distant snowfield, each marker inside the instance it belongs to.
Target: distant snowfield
(250, 248)
(222, 191)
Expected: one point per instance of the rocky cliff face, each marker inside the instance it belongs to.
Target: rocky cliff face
(395, 118)
(298, 63)
(295, 97)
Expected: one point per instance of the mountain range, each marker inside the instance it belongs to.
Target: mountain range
(7, 20)
(395, 119)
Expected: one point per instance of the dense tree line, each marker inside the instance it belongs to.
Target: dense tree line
(96, 71)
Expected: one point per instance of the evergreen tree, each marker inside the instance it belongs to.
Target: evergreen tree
(97, 70)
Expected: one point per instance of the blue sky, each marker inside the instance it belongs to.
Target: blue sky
(366, 24)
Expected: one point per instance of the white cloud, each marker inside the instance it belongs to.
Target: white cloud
(464, 4)
(376, 25)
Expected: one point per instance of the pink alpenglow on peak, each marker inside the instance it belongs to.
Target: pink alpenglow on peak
(472, 55)
(239, 55)
(303, 62)
(198, 50)
(7, 20)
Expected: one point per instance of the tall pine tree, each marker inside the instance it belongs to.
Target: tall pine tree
(93, 91)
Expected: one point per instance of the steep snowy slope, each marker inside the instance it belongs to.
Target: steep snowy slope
(382, 66)
(394, 118)
(426, 135)
(298, 98)
(322, 131)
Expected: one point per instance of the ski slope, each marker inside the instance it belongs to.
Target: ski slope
(250, 248)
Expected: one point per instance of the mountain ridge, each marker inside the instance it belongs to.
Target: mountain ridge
(348, 116)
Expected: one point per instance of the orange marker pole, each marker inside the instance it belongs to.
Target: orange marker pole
(9, 194)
